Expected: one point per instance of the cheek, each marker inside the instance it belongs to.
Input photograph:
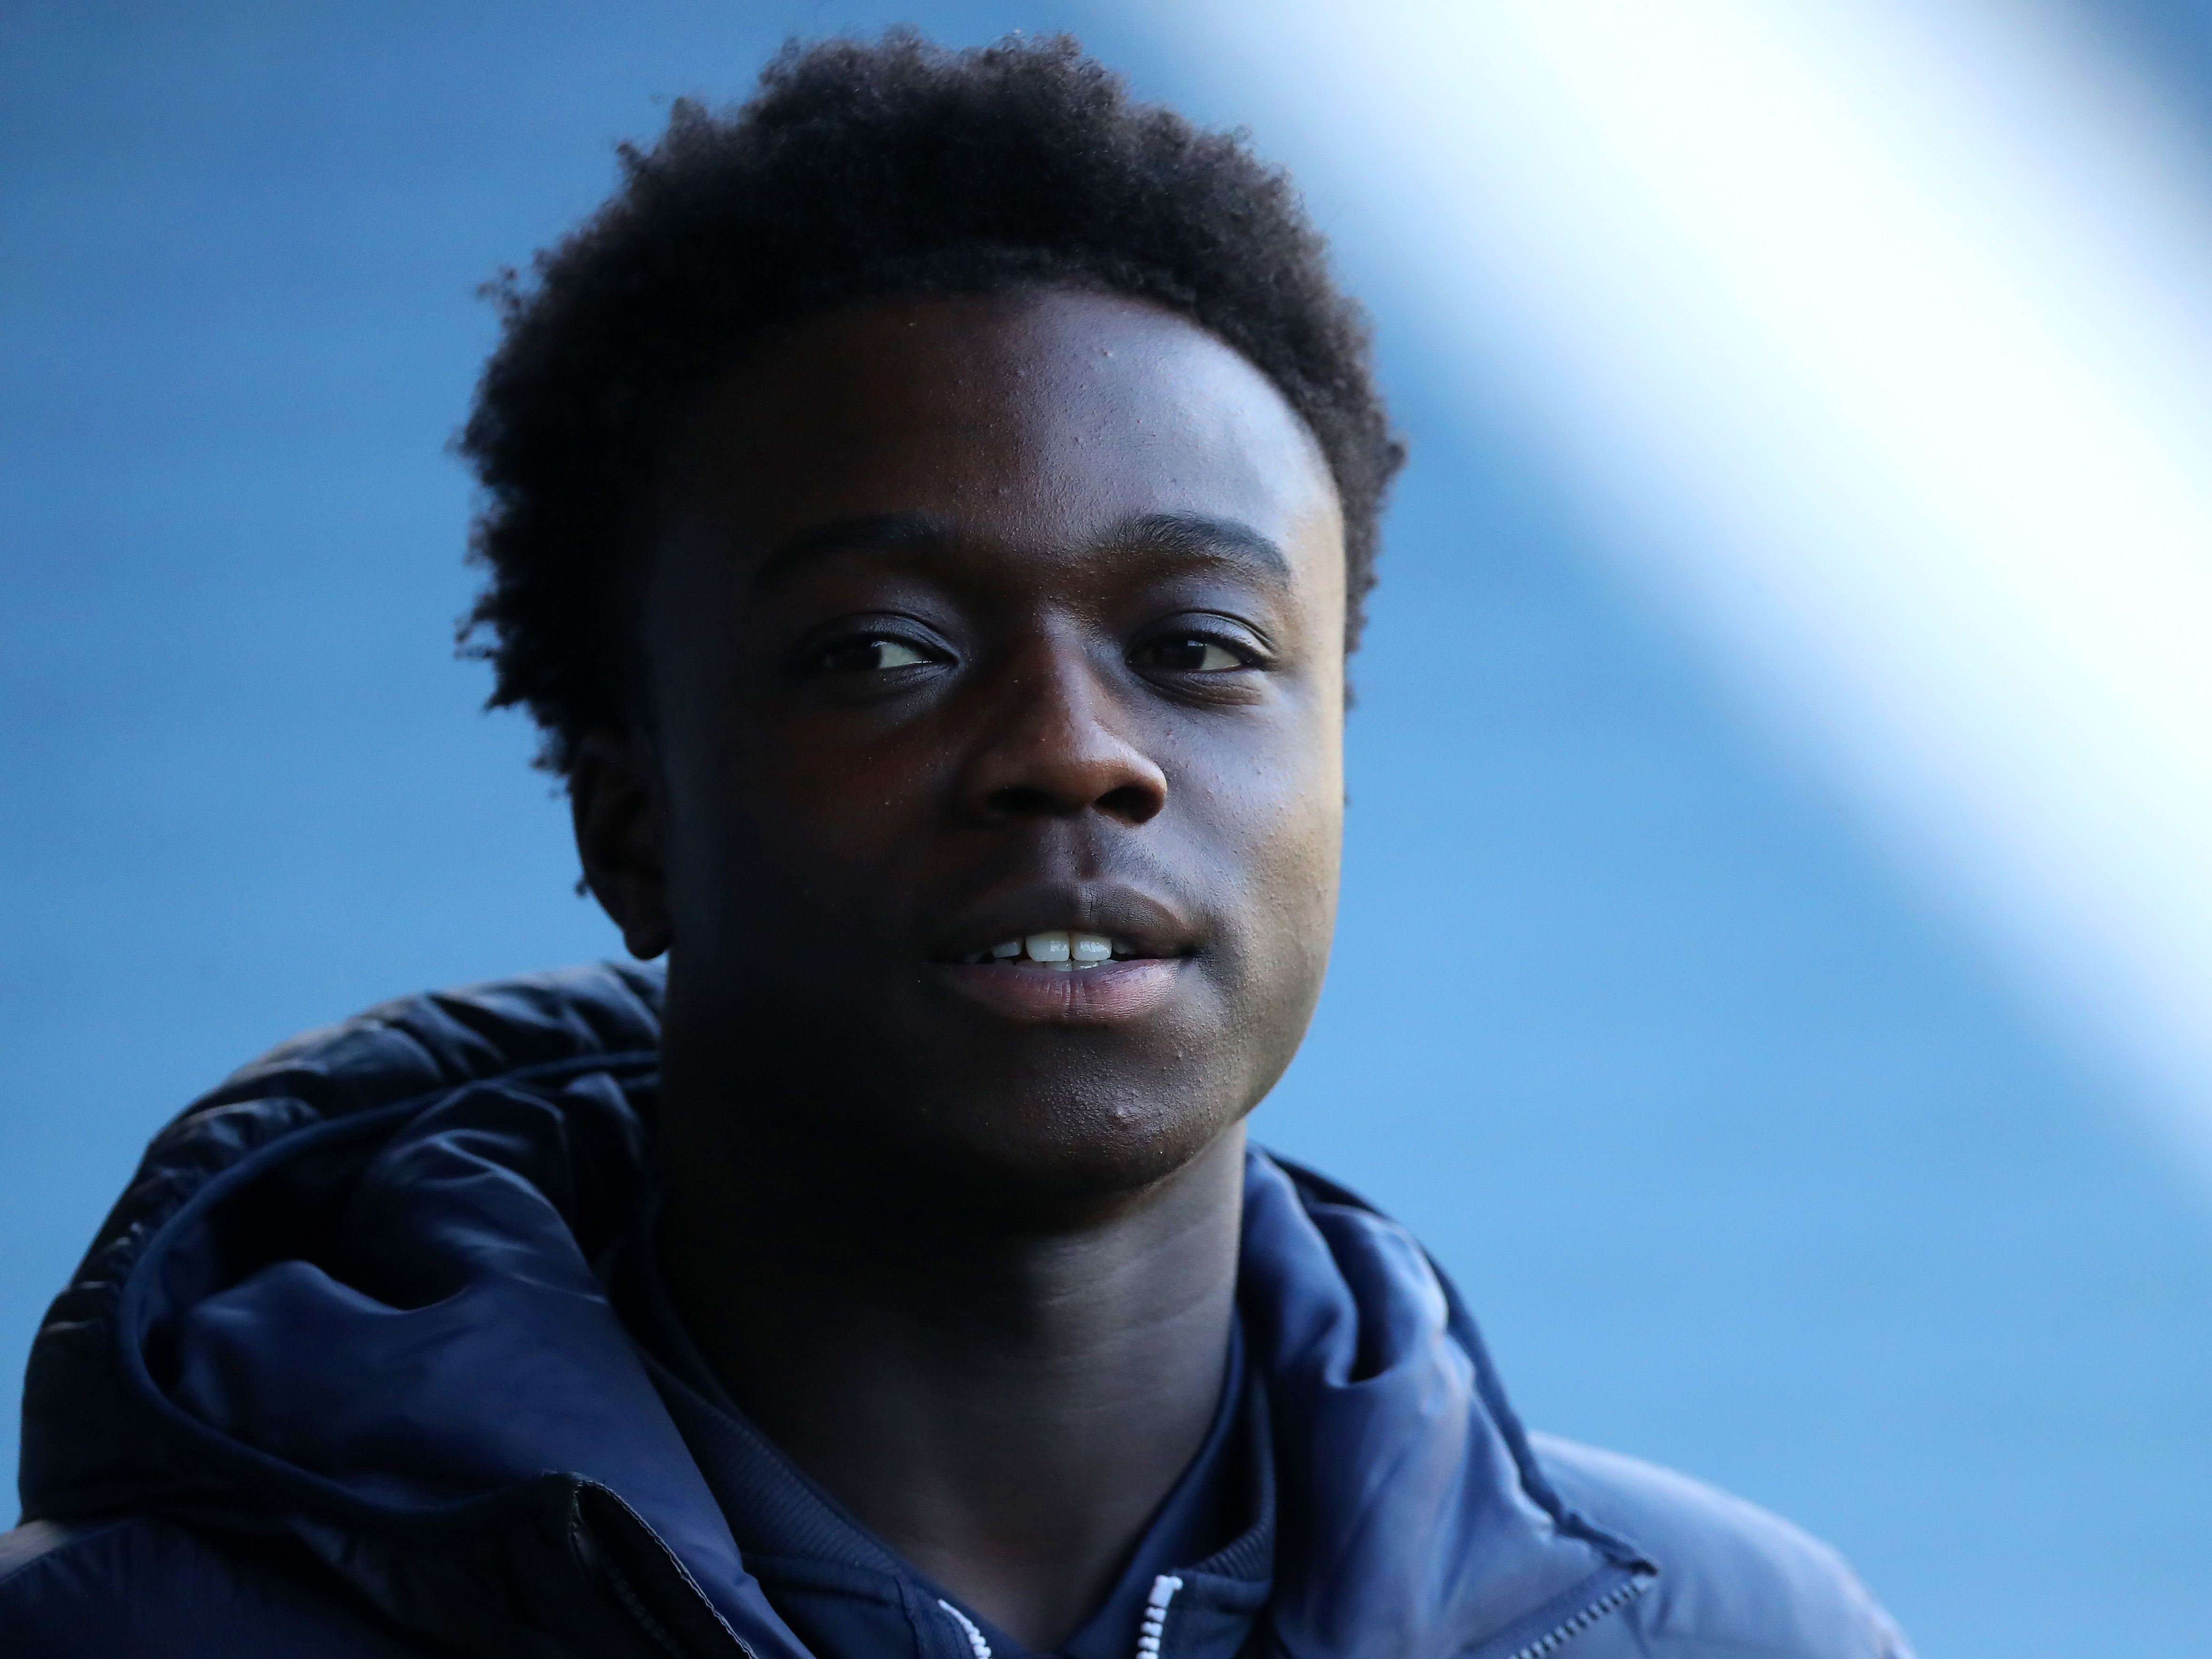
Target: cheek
(1298, 902)
(793, 806)
(1278, 821)
(830, 796)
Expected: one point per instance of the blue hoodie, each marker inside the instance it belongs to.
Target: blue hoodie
(342, 1375)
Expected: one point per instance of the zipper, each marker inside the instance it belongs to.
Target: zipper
(1155, 1615)
(1148, 1637)
(633, 1605)
(976, 1644)
(645, 1578)
(1611, 1602)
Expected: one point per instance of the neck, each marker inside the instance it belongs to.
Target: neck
(1004, 1402)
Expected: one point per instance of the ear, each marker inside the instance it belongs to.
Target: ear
(615, 802)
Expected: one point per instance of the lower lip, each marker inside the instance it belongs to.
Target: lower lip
(1111, 992)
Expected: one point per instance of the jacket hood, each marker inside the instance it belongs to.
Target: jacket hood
(352, 1297)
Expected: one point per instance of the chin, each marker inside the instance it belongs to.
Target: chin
(936, 1112)
(1017, 1158)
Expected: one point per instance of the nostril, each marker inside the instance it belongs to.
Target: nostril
(1019, 801)
(1132, 803)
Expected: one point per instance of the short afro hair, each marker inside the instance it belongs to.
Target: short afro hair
(862, 170)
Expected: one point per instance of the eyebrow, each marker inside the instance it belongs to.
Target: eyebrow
(860, 532)
(1195, 534)
(1191, 535)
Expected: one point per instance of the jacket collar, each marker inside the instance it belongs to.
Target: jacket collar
(367, 1314)
(847, 1593)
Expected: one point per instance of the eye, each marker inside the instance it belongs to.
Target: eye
(1189, 653)
(870, 656)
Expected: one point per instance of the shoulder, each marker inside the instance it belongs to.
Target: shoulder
(148, 1587)
(1734, 1580)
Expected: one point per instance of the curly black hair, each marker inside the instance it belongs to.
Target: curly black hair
(863, 169)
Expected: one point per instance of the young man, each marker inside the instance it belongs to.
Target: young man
(929, 512)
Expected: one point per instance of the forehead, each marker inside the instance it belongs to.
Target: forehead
(1034, 418)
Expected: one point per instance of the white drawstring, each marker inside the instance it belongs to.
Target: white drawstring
(975, 1637)
(1155, 1615)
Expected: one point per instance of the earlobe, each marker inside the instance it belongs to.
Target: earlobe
(614, 801)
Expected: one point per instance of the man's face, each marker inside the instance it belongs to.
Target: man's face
(979, 620)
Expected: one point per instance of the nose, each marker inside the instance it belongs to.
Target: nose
(1061, 748)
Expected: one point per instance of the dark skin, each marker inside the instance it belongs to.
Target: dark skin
(969, 618)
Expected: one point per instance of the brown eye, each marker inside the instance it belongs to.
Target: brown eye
(870, 657)
(1192, 654)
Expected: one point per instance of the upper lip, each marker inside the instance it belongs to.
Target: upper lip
(1148, 926)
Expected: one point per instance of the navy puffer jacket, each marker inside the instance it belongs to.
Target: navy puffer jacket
(338, 1376)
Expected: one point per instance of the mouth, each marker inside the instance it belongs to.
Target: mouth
(1060, 949)
(1127, 963)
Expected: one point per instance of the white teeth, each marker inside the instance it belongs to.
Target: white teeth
(1061, 949)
